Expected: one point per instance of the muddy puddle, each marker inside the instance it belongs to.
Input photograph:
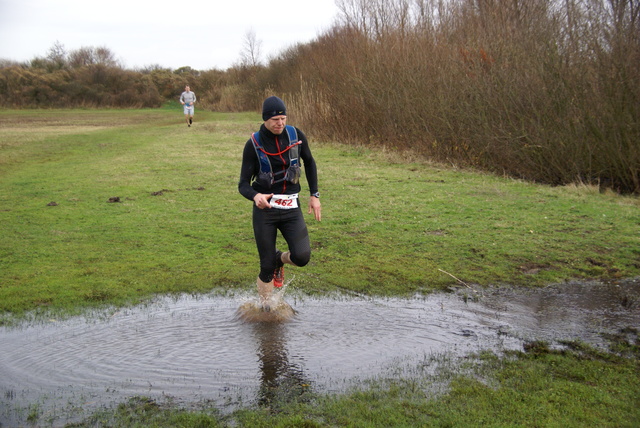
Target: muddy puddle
(195, 350)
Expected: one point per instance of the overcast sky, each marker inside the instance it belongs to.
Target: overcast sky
(202, 34)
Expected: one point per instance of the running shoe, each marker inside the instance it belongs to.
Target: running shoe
(190, 121)
(278, 277)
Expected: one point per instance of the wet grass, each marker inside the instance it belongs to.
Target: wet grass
(111, 207)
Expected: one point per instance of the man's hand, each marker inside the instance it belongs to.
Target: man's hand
(262, 200)
(314, 206)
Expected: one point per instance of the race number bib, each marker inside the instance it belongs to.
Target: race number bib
(284, 202)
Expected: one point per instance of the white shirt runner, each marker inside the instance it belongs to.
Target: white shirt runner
(284, 202)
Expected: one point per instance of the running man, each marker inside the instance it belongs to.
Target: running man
(269, 177)
(188, 99)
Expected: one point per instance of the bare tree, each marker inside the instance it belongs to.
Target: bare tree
(91, 55)
(57, 55)
(251, 50)
(105, 56)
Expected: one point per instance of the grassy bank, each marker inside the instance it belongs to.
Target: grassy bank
(391, 225)
(104, 207)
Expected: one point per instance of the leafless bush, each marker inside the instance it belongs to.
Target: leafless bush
(548, 91)
(89, 86)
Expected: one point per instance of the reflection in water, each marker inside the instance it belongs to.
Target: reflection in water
(196, 350)
(281, 380)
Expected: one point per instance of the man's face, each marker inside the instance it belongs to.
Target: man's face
(276, 124)
(186, 88)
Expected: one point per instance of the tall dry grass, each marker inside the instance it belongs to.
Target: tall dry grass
(547, 91)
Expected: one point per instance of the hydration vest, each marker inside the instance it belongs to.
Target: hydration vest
(267, 177)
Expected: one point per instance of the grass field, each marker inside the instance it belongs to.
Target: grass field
(111, 207)
(391, 225)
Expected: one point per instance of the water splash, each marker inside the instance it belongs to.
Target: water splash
(274, 310)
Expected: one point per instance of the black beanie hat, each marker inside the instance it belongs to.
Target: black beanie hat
(273, 106)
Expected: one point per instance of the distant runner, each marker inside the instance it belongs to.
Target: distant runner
(188, 99)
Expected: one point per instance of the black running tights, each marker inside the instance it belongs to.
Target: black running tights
(293, 228)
